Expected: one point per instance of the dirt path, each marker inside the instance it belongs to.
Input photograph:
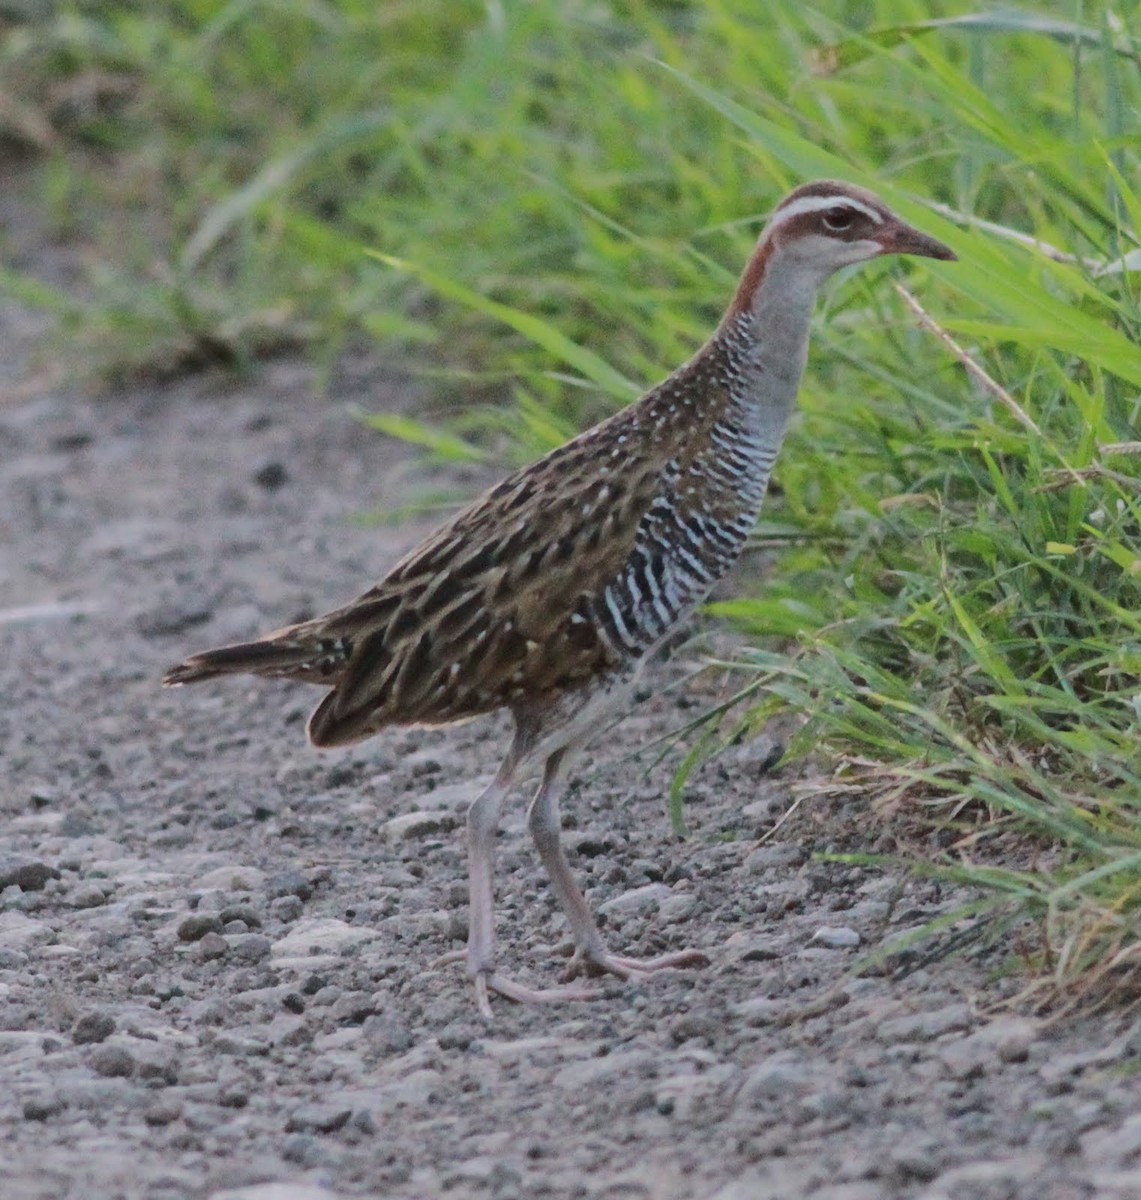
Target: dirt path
(219, 951)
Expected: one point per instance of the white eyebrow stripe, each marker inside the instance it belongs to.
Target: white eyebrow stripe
(807, 204)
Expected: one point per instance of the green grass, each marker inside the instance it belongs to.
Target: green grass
(557, 198)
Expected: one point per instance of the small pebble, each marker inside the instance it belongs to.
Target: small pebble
(925, 1026)
(410, 826)
(271, 476)
(677, 908)
(245, 913)
(772, 1080)
(781, 856)
(41, 1108)
(318, 1118)
(28, 874)
(914, 1158)
(760, 1010)
(92, 1027)
(113, 1062)
(352, 1008)
(213, 945)
(236, 877)
(196, 926)
(233, 1095)
(251, 947)
(286, 909)
(163, 1111)
(88, 895)
(289, 883)
(637, 900)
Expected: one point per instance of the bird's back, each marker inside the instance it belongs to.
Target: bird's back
(569, 570)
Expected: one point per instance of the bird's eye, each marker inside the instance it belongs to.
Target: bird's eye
(838, 219)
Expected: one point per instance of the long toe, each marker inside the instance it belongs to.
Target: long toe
(601, 962)
(511, 989)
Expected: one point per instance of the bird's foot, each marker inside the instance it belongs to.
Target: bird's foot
(487, 982)
(602, 962)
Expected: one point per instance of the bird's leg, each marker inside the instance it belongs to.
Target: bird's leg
(590, 950)
(482, 824)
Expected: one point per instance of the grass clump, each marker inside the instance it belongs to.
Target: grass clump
(560, 195)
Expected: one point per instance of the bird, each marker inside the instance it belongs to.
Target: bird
(548, 594)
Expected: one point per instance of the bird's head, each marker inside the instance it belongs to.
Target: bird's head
(815, 230)
(829, 224)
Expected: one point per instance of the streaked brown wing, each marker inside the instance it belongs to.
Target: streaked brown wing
(489, 610)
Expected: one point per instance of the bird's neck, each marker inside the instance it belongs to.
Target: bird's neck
(766, 329)
(741, 386)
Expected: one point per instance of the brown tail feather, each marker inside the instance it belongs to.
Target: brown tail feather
(306, 660)
(326, 729)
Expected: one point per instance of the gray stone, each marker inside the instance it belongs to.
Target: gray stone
(245, 913)
(850, 1191)
(28, 874)
(925, 1026)
(595, 1072)
(1060, 1067)
(322, 935)
(44, 1106)
(19, 932)
(87, 895)
(1012, 1039)
(236, 877)
(250, 947)
(836, 937)
(760, 1010)
(196, 926)
(92, 1027)
(113, 1062)
(387, 1033)
(681, 907)
(455, 797)
(409, 826)
(780, 1075)
(914, 1158)
(1002, 1176)
(213, 945)
(686, 1095)
(636, 901)
(964, 1058)
(289, 883)
(1002, 1041)
(318, 1118)
(163, 1111)
(76, 825)
(286, 909)
(352, 1008)
(1119, 1147)
(1117, 1185)
(780, 856)
(276, 1191)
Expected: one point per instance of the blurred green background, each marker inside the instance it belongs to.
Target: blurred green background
(543, 206)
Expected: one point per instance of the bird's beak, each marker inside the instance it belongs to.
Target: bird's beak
(899, 238)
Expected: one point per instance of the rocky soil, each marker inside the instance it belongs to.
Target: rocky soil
(220, 952)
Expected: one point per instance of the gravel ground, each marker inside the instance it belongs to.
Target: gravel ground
(220, 952)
